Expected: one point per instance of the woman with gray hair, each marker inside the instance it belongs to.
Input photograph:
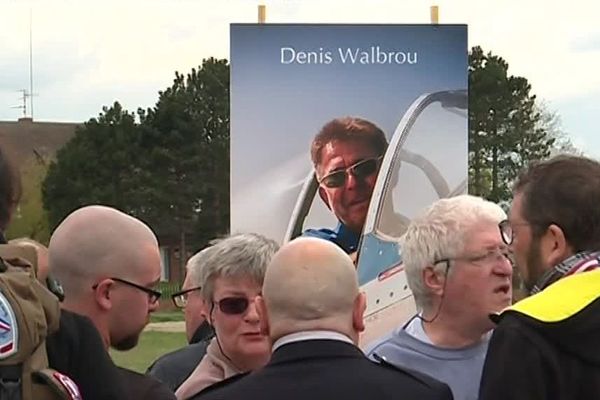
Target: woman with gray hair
(230, 280)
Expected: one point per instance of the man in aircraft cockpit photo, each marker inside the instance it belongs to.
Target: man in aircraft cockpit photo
(346, 155)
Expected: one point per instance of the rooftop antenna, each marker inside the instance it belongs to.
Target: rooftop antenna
(25, 95)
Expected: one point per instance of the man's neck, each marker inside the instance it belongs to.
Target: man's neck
(202, 333)
(452, 332)
(77, 308)
(312, 335)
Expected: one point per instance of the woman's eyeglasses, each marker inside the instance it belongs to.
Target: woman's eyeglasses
(180, 299)
(233, 305)
(360, 170)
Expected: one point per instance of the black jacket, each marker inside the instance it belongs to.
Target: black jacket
(547, 346)
(174, 368)
(204, 333)
(140, 386)
(77, 350)
(326, 369)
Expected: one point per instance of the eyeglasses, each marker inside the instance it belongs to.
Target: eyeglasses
(180, 298)
(490, 257)
(507, 231)
(360, 170)
(153, 295)
(233, 305)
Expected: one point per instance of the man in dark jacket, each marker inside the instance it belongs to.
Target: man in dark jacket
(546, 346)
(108, 262)
(313, 312)
(174, 368)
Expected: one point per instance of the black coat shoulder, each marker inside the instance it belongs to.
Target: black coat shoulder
(75, 350)
(174, 368)
(216, 388)
(140, 386)
(326, 369)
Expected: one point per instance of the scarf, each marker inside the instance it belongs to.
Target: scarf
(214, 367)
(580, 262)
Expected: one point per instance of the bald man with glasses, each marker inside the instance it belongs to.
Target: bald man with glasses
(108, 264)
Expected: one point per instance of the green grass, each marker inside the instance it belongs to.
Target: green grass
(151, 346)
(168, 288)
(167, 316)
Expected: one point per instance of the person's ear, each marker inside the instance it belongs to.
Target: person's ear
(263, 315)
(323, 196)
(102, 294)
(358, 312)
(554, 246)
(434, 280)
(208, 312)
(203, 308)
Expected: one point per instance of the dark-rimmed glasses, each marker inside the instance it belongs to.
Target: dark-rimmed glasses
(487, 258)
(360, 170)
(180, 298)
(234, 305)
(507, 232)
(153, 295)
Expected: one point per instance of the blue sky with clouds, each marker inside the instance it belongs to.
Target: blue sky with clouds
(88, 54)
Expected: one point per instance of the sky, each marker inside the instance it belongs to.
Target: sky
(87, 54)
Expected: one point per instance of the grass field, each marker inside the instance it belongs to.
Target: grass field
(167, 316)
(151, 346)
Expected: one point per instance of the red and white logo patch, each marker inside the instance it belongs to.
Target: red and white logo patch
(70, 386)
(9, 329)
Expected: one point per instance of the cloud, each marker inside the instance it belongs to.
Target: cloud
(579, 116)
(84, 49)
(586, 44)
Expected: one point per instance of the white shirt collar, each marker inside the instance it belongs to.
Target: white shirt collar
(310, 335)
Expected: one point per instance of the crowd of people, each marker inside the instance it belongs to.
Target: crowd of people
(271, 322)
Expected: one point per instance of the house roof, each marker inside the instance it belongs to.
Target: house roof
(25, 139)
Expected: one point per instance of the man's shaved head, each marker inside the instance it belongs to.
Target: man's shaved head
(311, 284)
(97, 242)
(107, 262)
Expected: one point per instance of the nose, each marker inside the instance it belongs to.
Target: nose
(251, 315)
(351, 181)
(503, 266)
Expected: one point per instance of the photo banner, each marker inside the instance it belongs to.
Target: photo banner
(288, 81)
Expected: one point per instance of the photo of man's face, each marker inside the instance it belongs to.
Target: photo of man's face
(347, 173)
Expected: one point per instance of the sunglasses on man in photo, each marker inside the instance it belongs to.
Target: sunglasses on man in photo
(359, 170)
